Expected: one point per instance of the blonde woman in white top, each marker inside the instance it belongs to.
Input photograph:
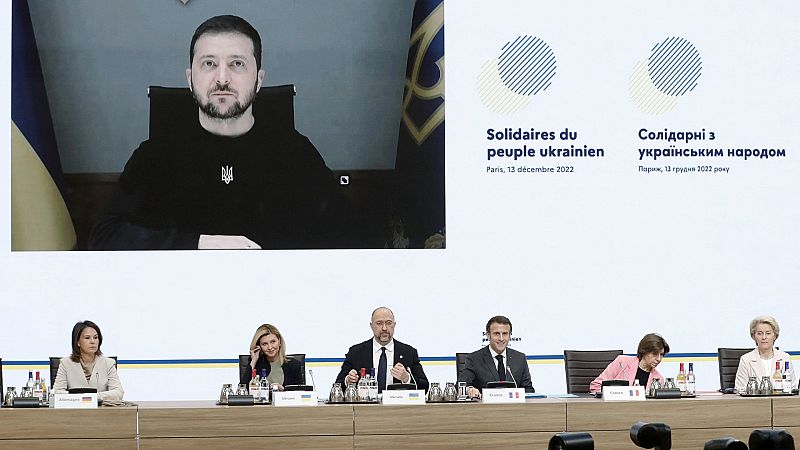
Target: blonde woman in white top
(761, 361)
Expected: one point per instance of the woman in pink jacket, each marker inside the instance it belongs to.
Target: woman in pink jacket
(642, 367)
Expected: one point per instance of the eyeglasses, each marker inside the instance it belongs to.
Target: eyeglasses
(381, 323)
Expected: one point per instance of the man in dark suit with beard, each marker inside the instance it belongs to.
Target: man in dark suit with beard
(496, 362)
(394, 361)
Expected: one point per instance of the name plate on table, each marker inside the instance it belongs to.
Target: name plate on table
(73, 401)
(294, 398)
(411, 397)
(623, 393)
(504, 395)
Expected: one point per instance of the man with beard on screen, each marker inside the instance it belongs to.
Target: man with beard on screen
(227, 183)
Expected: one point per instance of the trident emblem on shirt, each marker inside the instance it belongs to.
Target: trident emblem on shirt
(227, 174)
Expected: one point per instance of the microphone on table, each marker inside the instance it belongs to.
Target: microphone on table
(314, 385)
(508, 371)
(412, 378)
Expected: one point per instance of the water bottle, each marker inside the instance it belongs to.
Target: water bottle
(363, 388)
(654, 386)
(788, 383)
(264, 388)
(10, 394)
(435, 393)
(254, 386)
(752, 386)
(351, 393)
(224, 393)
(766, 386)
(336, 395)
(690, 380)
(450, 392)
(372, 385)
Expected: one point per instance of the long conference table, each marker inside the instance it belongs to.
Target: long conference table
(202, 424)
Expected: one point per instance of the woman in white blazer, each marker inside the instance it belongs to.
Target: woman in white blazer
(761, 361)
(86, 367)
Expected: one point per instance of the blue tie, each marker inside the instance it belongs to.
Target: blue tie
(382, 370)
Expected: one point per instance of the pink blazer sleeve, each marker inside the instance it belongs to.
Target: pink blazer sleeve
(611, 372)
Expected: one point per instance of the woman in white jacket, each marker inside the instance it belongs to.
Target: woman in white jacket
(761, 361)
(86, 367)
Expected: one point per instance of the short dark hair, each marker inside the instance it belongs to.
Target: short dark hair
(228, 24)
(76, 334)
(502, 320)
(652, 343)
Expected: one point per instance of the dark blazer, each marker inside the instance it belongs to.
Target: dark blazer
(360, 355)
(480, 368)
(292, 371)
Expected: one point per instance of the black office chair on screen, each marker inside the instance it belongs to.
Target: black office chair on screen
(728, 359)
(244, 364)
(55, 361)
(582, 366)
(461, 361)
(173, 111)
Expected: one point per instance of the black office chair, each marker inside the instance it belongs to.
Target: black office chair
(728, 359)
(244, 365)
(172, 110)
(583, 366)
(461, 361)
(55, 361)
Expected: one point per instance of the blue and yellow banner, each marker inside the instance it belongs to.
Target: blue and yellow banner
(39, 216)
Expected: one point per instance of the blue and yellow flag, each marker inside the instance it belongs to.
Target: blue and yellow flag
(420, 196)
(39, 217)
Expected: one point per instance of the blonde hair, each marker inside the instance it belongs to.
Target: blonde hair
(264, 330)
(768, 320)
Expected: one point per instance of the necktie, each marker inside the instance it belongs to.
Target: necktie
(382, 370)
(501, 368)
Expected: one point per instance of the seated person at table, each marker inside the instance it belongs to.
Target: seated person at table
(86, 367)
(760, 362)
(268, 353)
(496, 362)
(642, 367)
(225, 183)
(392, 359)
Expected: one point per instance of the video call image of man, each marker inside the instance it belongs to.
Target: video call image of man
(496, 362)
(231, 182)
(394, 361)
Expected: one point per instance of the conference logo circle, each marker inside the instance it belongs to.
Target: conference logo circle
(524, 68)
(670, 72)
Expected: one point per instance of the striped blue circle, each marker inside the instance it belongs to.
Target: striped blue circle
(674, 66)
(526, 65)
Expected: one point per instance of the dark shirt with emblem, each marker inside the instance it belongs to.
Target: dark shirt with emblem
(272, 187)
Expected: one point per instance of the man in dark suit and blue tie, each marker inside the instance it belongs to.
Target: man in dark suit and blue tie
(395, 361)
(496, 362)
